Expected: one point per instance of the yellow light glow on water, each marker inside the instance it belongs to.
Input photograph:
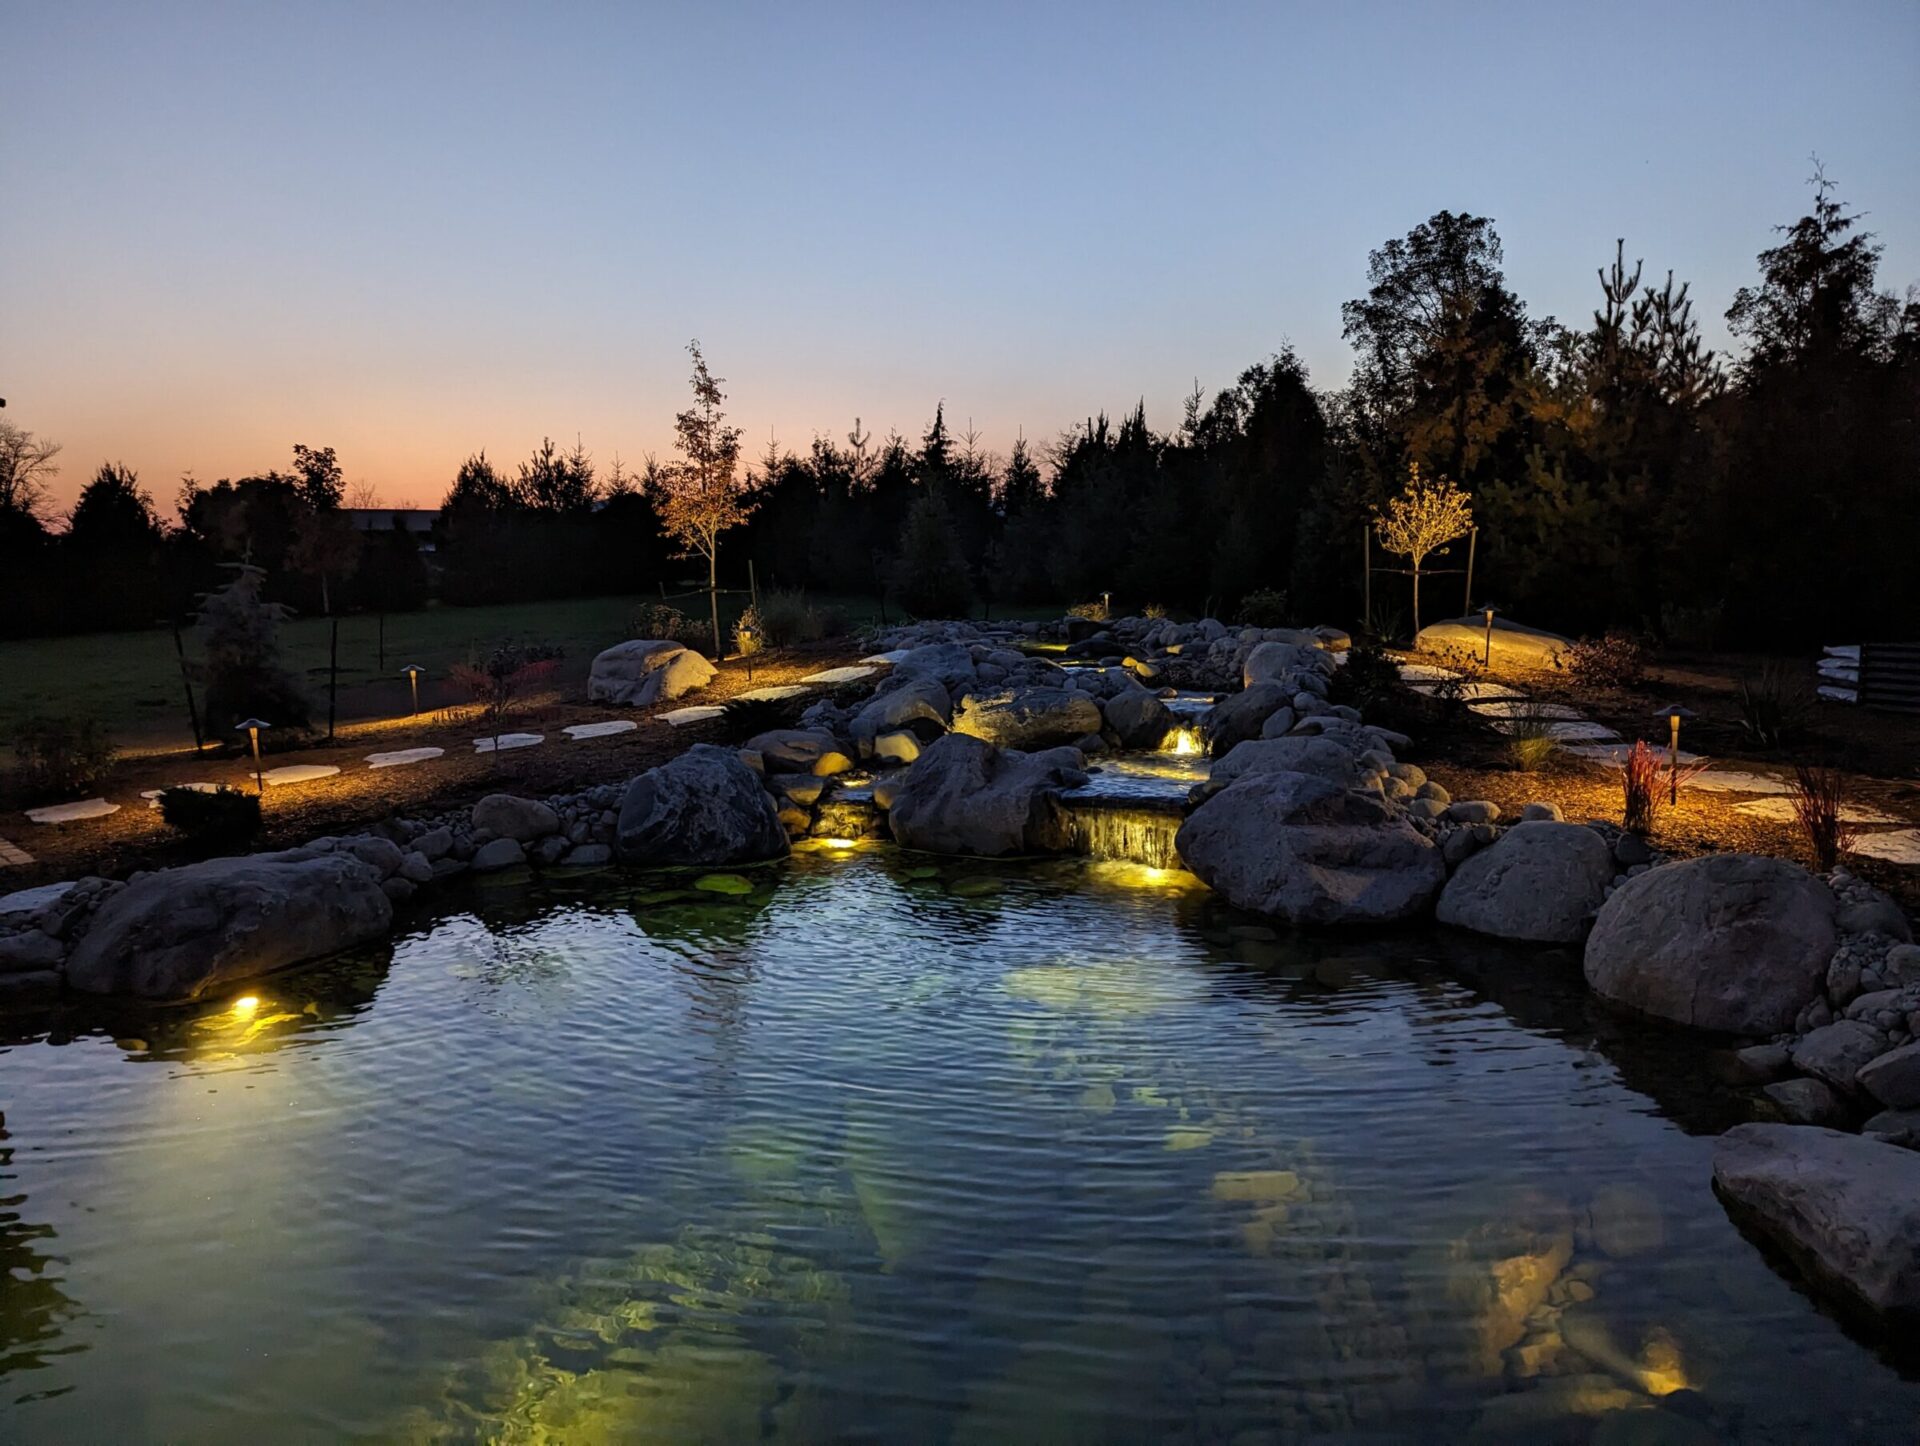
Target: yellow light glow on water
(841, 843)
(245, 1005)
(1142, 876)
(1661, 1371)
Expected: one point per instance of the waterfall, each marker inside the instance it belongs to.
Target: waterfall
(1182, 739)
(1131, 834)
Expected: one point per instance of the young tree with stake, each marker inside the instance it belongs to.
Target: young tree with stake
(703, 495)
(1428, 513)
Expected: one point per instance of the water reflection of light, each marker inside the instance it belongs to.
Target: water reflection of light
(1182, 740)
(245, 1005)
(1127, 875)
(1661, 1370)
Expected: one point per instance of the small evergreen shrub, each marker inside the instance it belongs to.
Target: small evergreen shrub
(226, 818)
(1369, 680)
(1264, 607)
(744, 718)
(61, 756)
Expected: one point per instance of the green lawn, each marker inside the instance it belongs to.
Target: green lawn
(131, 681)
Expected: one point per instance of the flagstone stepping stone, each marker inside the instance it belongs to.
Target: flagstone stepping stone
(839, 675)
(13, 856)
(1614, 755)
(577, 731)
(152, 795)
(1728, 780)
(1900, 847)
(1780, 810)
(700, 713)
(770, 695)
(1516, 706)
(402, 757)
(504, 742)
(1425, 673)
(887, 659)
(73, 812)
(299, 773)
(1576, 731)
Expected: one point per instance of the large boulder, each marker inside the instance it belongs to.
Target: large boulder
(1310, 851)
(1540, 882)
(1894, 1078)
(520, 819)
(184, 933)
(1027, 718)
(964, 796)
(921, 701)
(1138, 718)
(1515, 645)
(1731, 942)
(1844, 1208)
(644, 671)
(704, 807)
(800, 750)
(1273, 662)
(1320, 757)
(1240, 717)
(948, 664)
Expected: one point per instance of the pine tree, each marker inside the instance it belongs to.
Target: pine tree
(929, 572)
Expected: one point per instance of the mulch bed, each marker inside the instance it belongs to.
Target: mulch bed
(358, 796)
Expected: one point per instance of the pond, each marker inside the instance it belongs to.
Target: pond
(892, 1149)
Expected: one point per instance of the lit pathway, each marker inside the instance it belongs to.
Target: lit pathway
(71, 812)
(578, 731)
(508, 740)
(293, 773)
(404, 757)
(1506, 708)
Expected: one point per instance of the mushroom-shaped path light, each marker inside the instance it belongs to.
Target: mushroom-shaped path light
(1488, 609)
(252, 727)
(413, 672)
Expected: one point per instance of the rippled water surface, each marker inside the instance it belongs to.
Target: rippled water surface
(888, 1151)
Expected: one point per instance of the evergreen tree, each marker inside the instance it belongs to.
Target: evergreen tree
(929, 572)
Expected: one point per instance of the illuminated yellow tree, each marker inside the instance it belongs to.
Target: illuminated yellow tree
(1428, 513)
(702, 496)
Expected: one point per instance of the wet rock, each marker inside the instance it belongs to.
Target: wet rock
(1807, 1102)
(1539, 882)
(1237, 718)
(965, 796)
(644, 671)
(434, 844)
(1759, 1064)
(520, 819)
(416, 868)
(497, 854)
(590, 855)
(800, 750)
(1138, 718)
(1309, 851)
(1845, 1208)
(704, 807)
(181, 933)
(922, 703)
(1027, 718)
(1731, 942)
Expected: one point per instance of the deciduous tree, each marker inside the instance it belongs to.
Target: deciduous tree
(703, 495)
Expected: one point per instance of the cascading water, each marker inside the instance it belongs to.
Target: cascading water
(1125, 832)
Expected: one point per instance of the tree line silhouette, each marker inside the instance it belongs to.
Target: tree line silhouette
(1620, 472)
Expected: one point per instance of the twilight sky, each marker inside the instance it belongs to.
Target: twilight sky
(410, 231)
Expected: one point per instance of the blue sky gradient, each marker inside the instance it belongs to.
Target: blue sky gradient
(412, 231)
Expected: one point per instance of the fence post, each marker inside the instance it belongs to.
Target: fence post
(186, 681)
(1473, 539)
(333, 671)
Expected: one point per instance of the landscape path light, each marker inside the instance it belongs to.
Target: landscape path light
(253, 727)
(1673, 713)
(748, 637)
(413, 672)
(1489, 609)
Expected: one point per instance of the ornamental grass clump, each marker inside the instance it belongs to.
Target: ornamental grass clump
(1648, 782)
(1530, 740)
(1819, 803)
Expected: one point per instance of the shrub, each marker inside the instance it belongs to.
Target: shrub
(62, 756)
(1093, 612)
(1369, 680)
(1381, 624)
(744, 718)
(500, 682)
(1819, 803)
(1646, 782)
(240, 640)
(1775, 705)
(668, 624)
(1692, 628)
(782, 619)
(1155, 612)
(1264, 607)
(224, 818)
(1617, 660)
(1529, 739)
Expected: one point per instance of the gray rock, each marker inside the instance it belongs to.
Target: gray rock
(1760, 1063)
(922, 701)
(30, 950)
(497, 854)
(1835, 1052)
(965, 796)
(416, 867)
(1277, 662)
(551, 849)
(435, 844)
(1475, 810)
(948, 664)
(1901, 967)
(1460, 845)
(521, 819)
(645, 671)
(1541, 813)
(1433, 793)
(704, 807)
(1279, 723)
(1515, 645)
(1138, 718)
(1241, 716)
(397, 889)
(1630, 850)
(800, 750)
(1873, 912)
(1539, 882)
(378, 853)
(591, 855)
(1807, 1102)
(182, 933)
(1896, 1127)
(1429, 808)
(1309, 851)
(1844, 1208)
(1731, 942)
(1893, 1078)
(1319, 757)
(1027, 718)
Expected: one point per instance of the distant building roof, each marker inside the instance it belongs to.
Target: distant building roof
(393, 519)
